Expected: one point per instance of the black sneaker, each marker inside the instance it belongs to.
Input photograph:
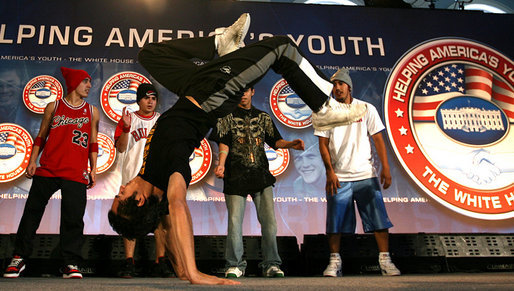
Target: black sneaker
(71, 272)
(162, 269)
(128, 270)
(15, 268)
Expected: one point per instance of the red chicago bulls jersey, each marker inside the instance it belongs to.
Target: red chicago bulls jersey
(66, 152)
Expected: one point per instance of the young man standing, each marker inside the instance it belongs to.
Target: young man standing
(130, 138)
(207, 92)
(346, 153)
(244, 167)
(68, 138)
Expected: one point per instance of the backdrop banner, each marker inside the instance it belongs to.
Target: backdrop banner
(441, 80)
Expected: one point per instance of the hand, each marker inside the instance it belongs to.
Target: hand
(219, 171)
(385, 178)
(298, 144)
(31, 169)
(125, 117)
(332, 184)
(92, 180)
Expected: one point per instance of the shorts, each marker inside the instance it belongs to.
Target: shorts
(368, 197)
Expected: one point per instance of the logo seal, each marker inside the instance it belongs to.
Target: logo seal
(449, 106)
(278, 159)
(120, 91)
(106, 153)
(200, 162)
(40, 91)
(288, 107)
(15, 149)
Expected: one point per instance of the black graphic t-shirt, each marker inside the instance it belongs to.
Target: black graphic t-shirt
(246, 167)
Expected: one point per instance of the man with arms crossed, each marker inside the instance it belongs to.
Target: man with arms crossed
(346, 153)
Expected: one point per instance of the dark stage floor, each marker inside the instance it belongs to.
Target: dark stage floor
(451, 281)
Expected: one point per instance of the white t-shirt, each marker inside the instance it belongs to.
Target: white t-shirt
(350, 147)
(130, 161)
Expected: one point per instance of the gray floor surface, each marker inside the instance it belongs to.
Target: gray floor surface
(443, 281)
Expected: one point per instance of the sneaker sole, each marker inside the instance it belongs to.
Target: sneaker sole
(246, 26)
(72, 276)
(14, 275)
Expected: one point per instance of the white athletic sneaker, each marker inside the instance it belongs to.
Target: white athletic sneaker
(234, 272)
(334, 268)
(229, 39)
(273, 272)
(334, 113)
(388, 268)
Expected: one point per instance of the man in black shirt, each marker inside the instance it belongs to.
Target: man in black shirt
(243, 165)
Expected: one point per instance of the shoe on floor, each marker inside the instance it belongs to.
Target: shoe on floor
(388, 268)
(71, 272)
(234, 272)
(162, 269)
(15, 268)
(128, 270)
(334, 113)
(273, 272)
(334, 269)
(229, 39)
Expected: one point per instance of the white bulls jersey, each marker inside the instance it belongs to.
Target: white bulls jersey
(130, 161)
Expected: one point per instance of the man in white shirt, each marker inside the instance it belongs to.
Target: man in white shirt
(346, 153)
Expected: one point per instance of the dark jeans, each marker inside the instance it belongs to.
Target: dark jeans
(73, 206)
(219, 84)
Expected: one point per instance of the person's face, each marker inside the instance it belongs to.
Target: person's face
(83, 88)
(246, 100)
(147, 104)
(341, 91)
(310, 166)
(132, 188)
(9, 88)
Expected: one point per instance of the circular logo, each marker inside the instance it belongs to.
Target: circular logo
(40, 91)
(120, 91)
(449, 106)
(15, 149)
(288, 107)
(278, 159)
(200, 161)
(106, 153)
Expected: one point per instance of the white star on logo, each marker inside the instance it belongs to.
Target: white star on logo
(399, 113)
(403, 130)
(409, 149)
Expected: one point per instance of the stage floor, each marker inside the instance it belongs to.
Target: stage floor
(447, 281)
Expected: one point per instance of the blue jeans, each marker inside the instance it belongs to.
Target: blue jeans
(265, 207)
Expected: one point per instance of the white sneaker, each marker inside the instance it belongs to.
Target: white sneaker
(234, 272)
(333, 269)
(388, 268)
(229, 39)
(334, 113)
(273, 272)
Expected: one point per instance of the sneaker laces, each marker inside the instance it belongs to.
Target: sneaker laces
(15, 262)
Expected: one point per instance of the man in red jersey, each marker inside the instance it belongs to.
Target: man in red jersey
(67, 138)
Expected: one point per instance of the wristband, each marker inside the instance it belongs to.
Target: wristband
(126, 129)
(39, 142)
(225, 152)
(93, 147)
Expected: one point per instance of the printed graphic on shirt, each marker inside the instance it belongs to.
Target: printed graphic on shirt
(288, 107)
(40, 91)
(15, 149)
(449, 106)
(120, 91)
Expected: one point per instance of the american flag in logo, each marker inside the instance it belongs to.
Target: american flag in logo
(12, 139)
(457, 80)
(196, 153)
(122, 86)
(43, 85)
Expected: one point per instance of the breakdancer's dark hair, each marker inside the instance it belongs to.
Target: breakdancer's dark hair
(133, 221)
